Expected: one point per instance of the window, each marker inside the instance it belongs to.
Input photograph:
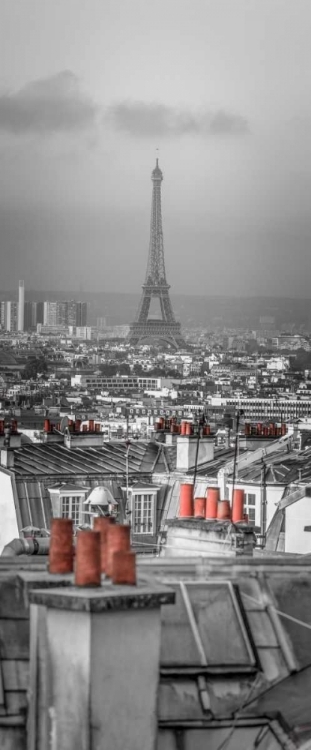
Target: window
(250, 506)
(143, 515)
(71, 508)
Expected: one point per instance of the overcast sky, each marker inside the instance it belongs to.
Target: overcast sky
(90, 88)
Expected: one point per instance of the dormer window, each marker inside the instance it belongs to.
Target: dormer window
(71, 507)
(67, 502)
(143, 521)
(143, 508)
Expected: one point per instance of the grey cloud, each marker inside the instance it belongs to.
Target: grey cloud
(146, 120)
(47, 105)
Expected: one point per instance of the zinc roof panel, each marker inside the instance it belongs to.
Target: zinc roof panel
(57, 459)
(34, 504)
(219, 627)
(293, 596)
(171, 503)
(220, 624)
(177, 642)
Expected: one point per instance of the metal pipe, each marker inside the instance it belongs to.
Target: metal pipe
(35, 546)
(263, 503)
(236, 448)
(196, 454)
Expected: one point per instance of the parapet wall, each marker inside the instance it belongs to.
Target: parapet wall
(196, 537)
(17, 578)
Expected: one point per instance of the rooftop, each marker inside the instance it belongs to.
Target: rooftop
(234, 664)
(6, 358)
(283, 468)
(54, 459)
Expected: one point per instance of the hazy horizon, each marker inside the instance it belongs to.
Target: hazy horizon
(74, 294)
(87, 94)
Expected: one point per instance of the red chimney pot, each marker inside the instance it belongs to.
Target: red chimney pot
(186, 505)
(124, 568)
(238, 506)
(118, 540)
(101, 524)
(61, 546)
(88, 559)
(212, 500)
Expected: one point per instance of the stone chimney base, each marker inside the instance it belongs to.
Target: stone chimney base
(102, 666)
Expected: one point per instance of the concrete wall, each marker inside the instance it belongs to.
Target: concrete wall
(187, 450)
(273, 495)
(72, 696)
(102, 672)
(8, 520)
(194, 538)
(83, 439)
(298, 516)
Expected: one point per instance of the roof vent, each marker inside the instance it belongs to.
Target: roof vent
(100, 502)
(100, 496)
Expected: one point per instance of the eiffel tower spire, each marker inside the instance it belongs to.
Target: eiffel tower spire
(155, 273)
(166, 328)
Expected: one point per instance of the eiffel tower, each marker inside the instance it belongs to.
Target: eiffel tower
(165, 328)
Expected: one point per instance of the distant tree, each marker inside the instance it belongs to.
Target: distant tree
(252, 346)
(124, 369)
(34, 367)
(172, 373)
(138, 370)
(302, 361)
(108, 370)
(118, 355)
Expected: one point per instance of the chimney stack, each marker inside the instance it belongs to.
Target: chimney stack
(7, 454)
(7, 458)
(103, 647)
(190, 448)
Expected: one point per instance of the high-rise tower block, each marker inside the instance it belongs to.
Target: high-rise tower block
(21, 302)
(164, 328)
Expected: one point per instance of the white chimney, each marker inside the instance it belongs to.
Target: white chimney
(190, 452)
(21, 303)
(103, 648)
(7, 458)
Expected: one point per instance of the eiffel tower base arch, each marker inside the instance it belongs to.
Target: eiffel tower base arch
(156, 332)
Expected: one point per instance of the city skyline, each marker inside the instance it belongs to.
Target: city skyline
(220, 88)
(24, 315)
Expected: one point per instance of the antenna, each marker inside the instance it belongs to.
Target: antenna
(236, 449)
(157, 155)
(200, 421)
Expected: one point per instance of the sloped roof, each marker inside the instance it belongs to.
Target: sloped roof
(55, 460)
(211, 468)
(292, 494)
(223, 640)
(67, 487)
(33, 500)
(236, 646)
(6, 358)
(234, 670)
(170, 452)
(279, 469)
(143, 486)
(294, 597)
(38, 467)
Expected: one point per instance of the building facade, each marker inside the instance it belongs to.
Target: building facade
(265, 408)
(11, 323)
(21, 302)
